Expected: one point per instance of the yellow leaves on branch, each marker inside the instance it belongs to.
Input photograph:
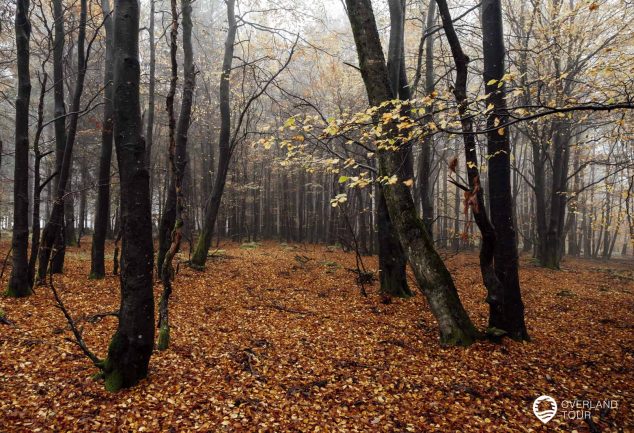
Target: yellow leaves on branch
(339, 199)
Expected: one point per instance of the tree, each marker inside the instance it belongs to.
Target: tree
(425, 165)
(392, 258)
(174, 217)
(474, 192)
(149, 131)
(60, 115)
(131, 346)
(19, 284)
(38, 185)
(199, 256)
(431, 274)
(509, 316)
(178, 133)
(55, 226)
(102, 206)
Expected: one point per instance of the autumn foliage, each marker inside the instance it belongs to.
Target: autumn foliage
(275, 337)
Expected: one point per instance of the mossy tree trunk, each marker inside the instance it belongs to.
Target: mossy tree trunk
(177, 159)
(199, 256)
(131, 346)
(431, 274)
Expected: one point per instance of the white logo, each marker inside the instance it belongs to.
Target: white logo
(547, 414)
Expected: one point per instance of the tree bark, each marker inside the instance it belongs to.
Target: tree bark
(392, 259)
(102, 206)
(475, 195)
(199, 257)
(551, 241)
(149, 131)
(60, 119)
(37, 185)
(178, 161)
(19, 284)
(510, 316)
(424, 169)
(431, 274)
(131, 346)
(55, 226)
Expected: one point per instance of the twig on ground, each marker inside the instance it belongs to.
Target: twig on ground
(79, 341)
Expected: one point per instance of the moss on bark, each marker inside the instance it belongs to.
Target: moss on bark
(163, 338)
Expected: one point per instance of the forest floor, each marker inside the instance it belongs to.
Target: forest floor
(262, 341)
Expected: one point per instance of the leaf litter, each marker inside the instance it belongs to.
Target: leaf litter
(263, 341)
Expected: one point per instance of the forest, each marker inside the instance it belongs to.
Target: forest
(316, 216)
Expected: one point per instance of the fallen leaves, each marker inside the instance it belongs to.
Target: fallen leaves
(263, 344)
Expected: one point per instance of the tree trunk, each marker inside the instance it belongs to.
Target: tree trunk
(19, 284)
(178, 160)
(70, 232)
(510, 316)
(149, 131)
(37, 186)
(392, 260)
(102, 206)
(550, 253)
(199, 257)
(431, 274)
(55, 225)
(83, 199)
(131, 346)
(57, 262)
(424, 170)
(475, 194)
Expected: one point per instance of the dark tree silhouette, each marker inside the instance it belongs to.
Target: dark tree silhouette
(102, 206)
(509, 314)
(131, 346)
(19, 284)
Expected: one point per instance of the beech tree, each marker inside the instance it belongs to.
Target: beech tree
(474, 191)
(60, 116)
(412, 134)
(174, 213)
(230, 135)
(102, 204)
(431, 274)
(508, 313)
(19, 284)
(131, 346)
(54, 228)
